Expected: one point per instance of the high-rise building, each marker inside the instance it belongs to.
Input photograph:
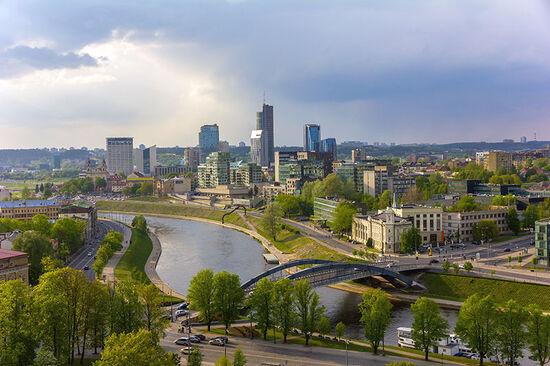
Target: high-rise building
(191, 158)
(146, 159)
(223, 146)
(312, 137)
(523, 139)
(120, 155)
(358, 154)
(209, 140)
(56, 161)
(264, 121)
(329, 145)
(498, 159)
(215, 171)
(258, 148)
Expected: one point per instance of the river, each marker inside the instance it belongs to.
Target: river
(189, 246)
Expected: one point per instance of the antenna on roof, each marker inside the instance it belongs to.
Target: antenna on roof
(264, 96)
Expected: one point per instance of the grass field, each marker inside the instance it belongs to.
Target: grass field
(459, 287)
(170, 209)
(289, 241)
(132, 263)
(502, 238)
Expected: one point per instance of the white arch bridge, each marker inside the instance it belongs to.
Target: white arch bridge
(325, 273)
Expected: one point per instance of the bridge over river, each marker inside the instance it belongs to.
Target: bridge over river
(322, 273)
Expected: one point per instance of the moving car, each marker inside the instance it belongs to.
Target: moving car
(181, 313)
(506, 250)
(225, 339)
(183, 306)
(217, 342)
(200, 336)
(86, 268)
(182, 341)
(194, 339)
(434, 261)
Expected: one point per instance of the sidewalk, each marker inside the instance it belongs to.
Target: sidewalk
(109, 270)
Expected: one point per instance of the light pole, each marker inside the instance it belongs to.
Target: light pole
(347, 352)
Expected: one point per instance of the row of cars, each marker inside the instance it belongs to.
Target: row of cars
(198, 338)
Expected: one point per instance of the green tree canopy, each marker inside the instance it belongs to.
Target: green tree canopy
(289, 204)
(343, 217)
(308, 308)
(538, 335)
(261, 303)
(375, 315)
(530, 215)
(411, 240)
(513, 221)
(38, 247)
(466, 203)
(511, 331)
(271, 219)
(485, 230)
(69, 231)
(201, 295)
(428, 325)
(228, 297)
(284, 311)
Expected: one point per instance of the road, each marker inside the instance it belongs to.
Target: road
(85, 256)
(257, 351)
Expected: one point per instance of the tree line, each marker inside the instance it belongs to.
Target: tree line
(67, 314)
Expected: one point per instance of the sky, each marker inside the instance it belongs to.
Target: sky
(75, 72)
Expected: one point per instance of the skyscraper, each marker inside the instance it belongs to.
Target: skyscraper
(312, 137)
(209, 140)
(264, 121)
(329, 145)
(191, 158)
(146, 159)
(258, 148)
(120, 155)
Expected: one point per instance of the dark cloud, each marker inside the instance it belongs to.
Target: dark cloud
(19, 59)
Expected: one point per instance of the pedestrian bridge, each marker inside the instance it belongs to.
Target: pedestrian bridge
(324, 273)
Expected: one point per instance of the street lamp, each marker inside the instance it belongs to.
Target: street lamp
(347, 342)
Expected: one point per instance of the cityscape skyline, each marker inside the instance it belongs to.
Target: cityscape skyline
(106, 70)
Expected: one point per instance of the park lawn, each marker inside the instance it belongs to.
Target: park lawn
(459, 287)
(502, 238)
(132, 263)
(170, 209)
(150, 199)
(301, 246)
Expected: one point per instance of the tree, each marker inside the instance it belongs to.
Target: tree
(38, 247)
(135, 348)
(485, 230)
(511, 331)
(340, 330)
(47, 191)
(343, 217)
(538, 335)
(284, 312)
(428, 325)
(41, 224)
(44, 357)
(477, 324)
(456, 268)
(289, 204)
(238, 357)
(140, 223)
(69, 231)
(384, 200)
(100, 182)
(271, 219)
(26, 194)
(146, 188)
(468, 266)
(308, 308)
(507, 200)
(446, 266)
(223, 361)
(375, 315)
(332, 186)
(324, 326)
(195, 357)
(466, 203)
(16, 324)
(127, 310)
(411, 240)
(513, 221)
(228, 297)
(261, 305)
(413, 194)
(201, 295)
(154, 320)
(530, 215)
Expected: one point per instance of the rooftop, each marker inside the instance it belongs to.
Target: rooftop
(30, 203)
(6, 253)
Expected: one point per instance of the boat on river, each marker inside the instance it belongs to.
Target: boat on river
(450, 345)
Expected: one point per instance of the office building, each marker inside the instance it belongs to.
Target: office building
(523, 139)
(375, 181)
(384, 229)
(162, 170)
(264, 122)
(246, 174)
(329, 146)
(458, 226)
(223, 146)
(325, 207)
(191, 159)
(428, 220)
(496, 160)
(56, 161)
(120, 155)
(146, 160)
(14, 265)
(26, 210)
(259, 153)
(209, 140)
(215, 171)
(312, 137)
(309, 165)
(542, 241)
(164, 187)
(358, 155)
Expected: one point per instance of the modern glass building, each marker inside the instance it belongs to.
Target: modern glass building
(312, 137)
(209, 140)
(264, 121)
(120, 155)
(329, 145)
(542, 241)
(146, 160)
(258, 148)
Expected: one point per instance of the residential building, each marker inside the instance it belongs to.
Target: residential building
(302, 164)
(324, 207)
(215, 171)
(209, 140)
(264, 122)
(293, 186)
(358, 155)
(329, 146)
(164, 187)
(375, 181)
(398, 184)
(120, 155)
(56, 161)
(259, 153)
(428, 220)
(272, 191)
(6, 239)
(83, 211)
(146, 160)
(14, 265)
(26, 210)
(191, 158)
(542, 241)
(312, 137)
(385, 229)
(223, 146)
(498, 160)
(162, 170)
(245, 174)
(481, 156)
(5, 193)
(458, 226)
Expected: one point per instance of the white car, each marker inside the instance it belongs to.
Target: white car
(181, 312)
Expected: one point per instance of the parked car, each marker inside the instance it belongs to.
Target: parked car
(181, 313)
(186, 350)
(86, 268)
(223, 338)
(217, 342)
(182, 341)
(200, 336)
(194, 339)
(183, 306)
(506, 250)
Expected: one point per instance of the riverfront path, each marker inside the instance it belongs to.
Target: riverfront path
(109, 270)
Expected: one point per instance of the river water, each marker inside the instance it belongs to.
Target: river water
(189, 246)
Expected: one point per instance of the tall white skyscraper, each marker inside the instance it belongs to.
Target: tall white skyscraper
(120, 155)
(146, 159)
(259, 152)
